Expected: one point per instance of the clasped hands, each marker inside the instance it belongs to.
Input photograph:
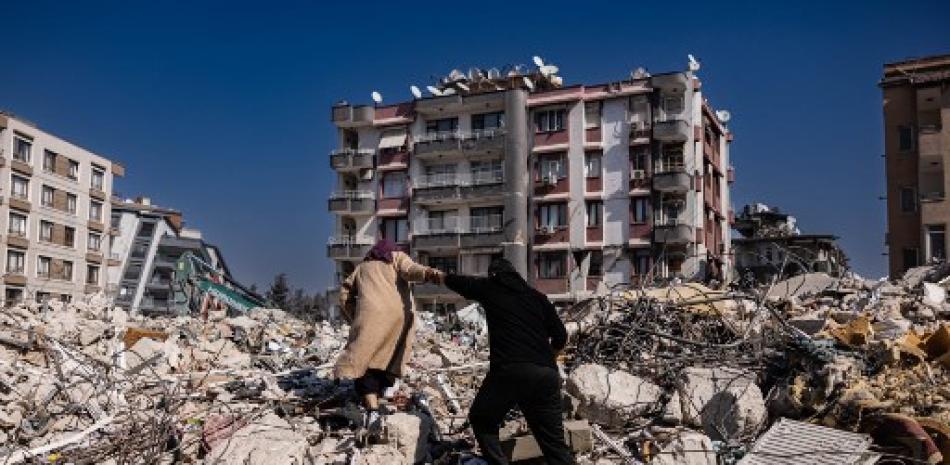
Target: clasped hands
(434, 276)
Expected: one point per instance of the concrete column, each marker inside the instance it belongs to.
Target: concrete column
(515, 245)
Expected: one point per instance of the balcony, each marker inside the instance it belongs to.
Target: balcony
(478, 142)
(673, 233)
(352, 202)
(671, 130)
(351, 159)
(453, 232)
(674, 180)
(348, 116)
(347, 248)
(439, 188)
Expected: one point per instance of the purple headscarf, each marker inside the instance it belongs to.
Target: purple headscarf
(382, 251)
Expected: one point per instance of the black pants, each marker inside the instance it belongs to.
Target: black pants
(373, 382)
(536, 390)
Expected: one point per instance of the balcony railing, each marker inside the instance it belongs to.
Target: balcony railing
(476, 178)
(351, 158)
(480, 224)
(460, 141)
(352, 195)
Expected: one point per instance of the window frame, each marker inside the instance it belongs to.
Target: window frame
(43, 227)
(18, 141)
(403, 187)
(42, 261)
(552, 265)
(21, 219)
(636, 210)
(907, 196)
(555, 210)
(479, 120)
(596, 214)
(589, 157)
(94, 205)
(100, 174)
(591, 261)
(16, 180)
(72, 203)
(548, 121)
(21, 261)
(556, 159)
(45, 189)
(98, 240)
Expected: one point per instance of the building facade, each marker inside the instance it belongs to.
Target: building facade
(578, 186)
(916, 101)
(57, 198)
(149, 241)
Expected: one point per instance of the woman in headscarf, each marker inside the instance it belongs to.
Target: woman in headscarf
(376, 301)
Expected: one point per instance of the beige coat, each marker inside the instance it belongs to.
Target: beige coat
(376, 301)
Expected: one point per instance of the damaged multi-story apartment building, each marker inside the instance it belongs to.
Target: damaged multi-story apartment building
(579, 186)
(916, 96)
(57, 197)
(149, 241)
(771, 246)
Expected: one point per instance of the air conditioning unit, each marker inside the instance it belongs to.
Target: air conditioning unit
(367, 174)
(638, 175)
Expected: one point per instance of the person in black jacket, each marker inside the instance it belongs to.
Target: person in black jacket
(524, 333)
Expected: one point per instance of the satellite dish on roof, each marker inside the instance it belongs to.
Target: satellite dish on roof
(377, 97)
(434, 90)
(415, 91)
(528, 83)
(694, 64)
(639, 73)
(537, 61)
(463, 86)
(724, 116)
(557, 81)
(448, 91)
(494, 73)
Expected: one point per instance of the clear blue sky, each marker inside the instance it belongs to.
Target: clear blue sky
(222, 110)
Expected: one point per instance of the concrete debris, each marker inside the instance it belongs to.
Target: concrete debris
(677, 373)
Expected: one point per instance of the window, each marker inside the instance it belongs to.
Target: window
(592, 114)
(396, 229)
(446, 264)
(94, 241)
(71, 203)
(98, 178)
(552, 215)
(910, 258)
(673, 158)
(908, 200)
(95, 211)
(549, 120)
(440, 175)
(485, 218)
(43, 265)
(49, 161)
(67, 271)
(92, 274)
(595, 213)
(17, 226)
(13, 295)
(69, 236)
(46, 231)
(443, 221)
(592, 164)
(394, 185)
(552, 167)
(15, 261)
(936, 242)
(551, 265)
(20, 187)
(596, 264)
(440, 126)
(641, 262)
(42, 297)
(488, 121)
(640, 210)
(47, 196)
(73, 172)
(672, 105)
(22, 149)
(905, 135)
(487, 171)
(638, 160)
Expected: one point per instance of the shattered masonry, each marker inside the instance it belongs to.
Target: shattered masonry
(661, 375)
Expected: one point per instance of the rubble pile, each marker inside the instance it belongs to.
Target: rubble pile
(664, 375)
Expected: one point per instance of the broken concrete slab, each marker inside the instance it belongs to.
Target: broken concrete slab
(724, 401)
(688, 448)
(611, 397)
(266, 440)
(409, 432)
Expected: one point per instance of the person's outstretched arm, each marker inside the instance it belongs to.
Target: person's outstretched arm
(408, 269)
(470, 287)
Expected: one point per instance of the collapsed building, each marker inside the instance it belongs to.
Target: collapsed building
(771, 246)
(149, 240)
(579, 186)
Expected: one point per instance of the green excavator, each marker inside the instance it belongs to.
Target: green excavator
(197, 286)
